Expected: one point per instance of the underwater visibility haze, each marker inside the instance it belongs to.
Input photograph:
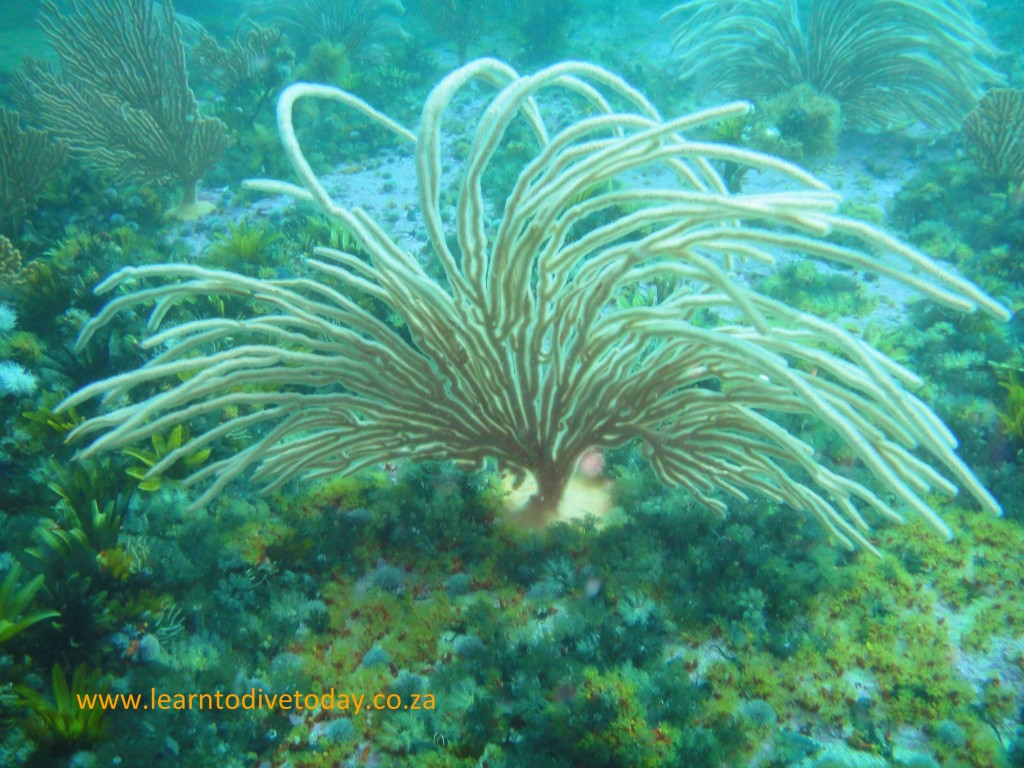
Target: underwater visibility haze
(497, 383)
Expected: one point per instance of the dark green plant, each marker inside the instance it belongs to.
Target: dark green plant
(62, 279)
(73, 548)
(970, 216)
(329, 63)
(823, 291)
(94, 497)
(245, 247)
(389, 83)
(317, 230)
(59, 721)
(162, 448)
(47, 429)
(86, 615)
(50, 288)
(75, 545)
(798, 124)
(400, 81)
(1011, 415)
(14, 600)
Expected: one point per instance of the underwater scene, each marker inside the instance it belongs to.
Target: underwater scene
(512, 383)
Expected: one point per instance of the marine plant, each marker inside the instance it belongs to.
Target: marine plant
(15, 598)
(50, 287)
(327, 62)
(60, 721)
(828, 294)
(122, 100)
(75, 540)
(520, 353)
(505, 630)
(397, 80)
(244, 246)
(1011, 416)
(72, 547)
(318, 230)
(57, 288)
(887, 62)
(799, 124)
(161, 447)
(47, 430)
(24, 347)
(955, 210)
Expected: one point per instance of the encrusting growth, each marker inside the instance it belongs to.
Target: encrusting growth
(520, 352)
